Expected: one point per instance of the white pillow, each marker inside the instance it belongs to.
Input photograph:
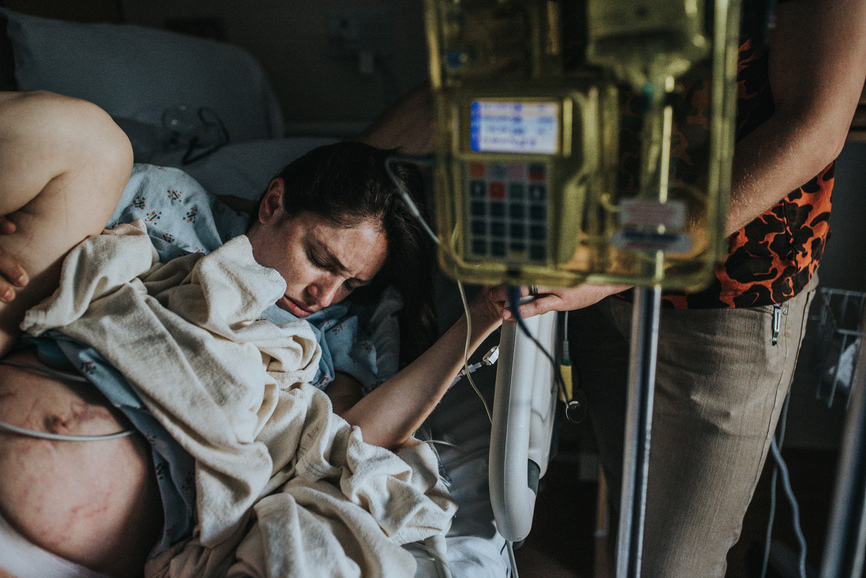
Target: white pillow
(243, 169)
(134, 72)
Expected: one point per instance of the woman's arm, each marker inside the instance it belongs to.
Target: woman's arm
(392, 412)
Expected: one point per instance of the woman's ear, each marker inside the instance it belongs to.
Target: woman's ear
(272, 202)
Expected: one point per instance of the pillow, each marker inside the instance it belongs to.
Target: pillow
(7, 61)
(137, 73)
(243, 169)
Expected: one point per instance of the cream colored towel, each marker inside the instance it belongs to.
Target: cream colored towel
(284, 486)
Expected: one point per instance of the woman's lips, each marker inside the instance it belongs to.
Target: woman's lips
(294, 307)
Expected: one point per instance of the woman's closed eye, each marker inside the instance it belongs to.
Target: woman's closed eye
(318, 261)
(324, 264)
(352, 284)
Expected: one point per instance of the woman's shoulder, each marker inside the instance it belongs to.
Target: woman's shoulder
(180, 215)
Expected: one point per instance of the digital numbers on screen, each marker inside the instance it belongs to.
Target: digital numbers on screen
(514, 127)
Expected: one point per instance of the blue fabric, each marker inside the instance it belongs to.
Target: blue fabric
(346, 346)
(181, 217)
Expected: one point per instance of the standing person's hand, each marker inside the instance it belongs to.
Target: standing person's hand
(551, 299)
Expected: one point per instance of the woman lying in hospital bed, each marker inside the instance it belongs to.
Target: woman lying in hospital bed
(64, 167)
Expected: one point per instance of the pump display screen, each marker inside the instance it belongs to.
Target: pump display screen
(514, 127)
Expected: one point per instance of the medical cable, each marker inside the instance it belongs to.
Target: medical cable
(489, 359)
(407, 198)
(63, 437)
(413, 208)
(565, 360)
(782, 468)
(47, 370)
(512, 559)
(514, 299)
(436, 547)
(53, 436)
(795, 509)
(466, 352)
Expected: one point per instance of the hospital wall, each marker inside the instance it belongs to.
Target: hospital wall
(334, 64)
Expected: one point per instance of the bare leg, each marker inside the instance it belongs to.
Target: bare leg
(63, 167)
(94, 503)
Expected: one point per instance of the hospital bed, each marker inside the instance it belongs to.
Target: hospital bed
(208, 109)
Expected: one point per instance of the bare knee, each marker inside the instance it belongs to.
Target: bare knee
(64, 164)
(94, 503)
(46, 136)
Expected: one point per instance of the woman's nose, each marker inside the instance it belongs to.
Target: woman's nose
(325, 291)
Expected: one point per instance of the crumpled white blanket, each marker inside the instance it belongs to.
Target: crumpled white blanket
(284, 486)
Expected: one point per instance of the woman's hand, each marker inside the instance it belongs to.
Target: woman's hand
(486, 309)
(11, 273)
(550, 299)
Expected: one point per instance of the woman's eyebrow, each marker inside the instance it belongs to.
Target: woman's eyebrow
(331, 260)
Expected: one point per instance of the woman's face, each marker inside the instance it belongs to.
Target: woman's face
(321, 262)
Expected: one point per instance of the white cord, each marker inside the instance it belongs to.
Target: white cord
(795, 509)
(47, 370)
(407, 198)
(53, 436)
(61, 437)
(512, 559)
(466, 352)
(782, 468)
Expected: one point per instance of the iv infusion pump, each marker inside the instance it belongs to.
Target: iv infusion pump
(575, 140)
(556, 121)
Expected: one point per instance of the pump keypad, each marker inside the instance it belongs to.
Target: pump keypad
(507, 211)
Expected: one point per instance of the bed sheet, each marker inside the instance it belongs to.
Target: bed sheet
(473, 546)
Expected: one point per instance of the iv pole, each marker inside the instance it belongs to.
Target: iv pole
(641, 387)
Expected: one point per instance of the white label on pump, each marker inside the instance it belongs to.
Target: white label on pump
(651, 213)
(648, 225)
(514, 127)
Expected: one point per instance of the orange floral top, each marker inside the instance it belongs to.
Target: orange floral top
(772, 258)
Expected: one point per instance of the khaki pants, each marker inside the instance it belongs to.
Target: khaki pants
(720, 387)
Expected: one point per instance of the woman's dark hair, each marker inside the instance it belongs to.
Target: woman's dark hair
(347, 183)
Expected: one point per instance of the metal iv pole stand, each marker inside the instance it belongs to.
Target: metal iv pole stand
(845, 547)
(639, 411)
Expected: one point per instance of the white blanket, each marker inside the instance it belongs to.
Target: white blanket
(284, 486)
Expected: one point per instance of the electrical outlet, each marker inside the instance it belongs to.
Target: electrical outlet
(366, 34)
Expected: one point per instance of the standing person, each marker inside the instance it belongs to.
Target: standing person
(723, 372)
